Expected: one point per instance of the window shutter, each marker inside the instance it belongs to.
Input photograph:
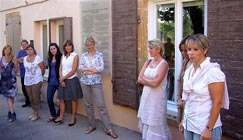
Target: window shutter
(68, 31)
(13, 26)
(124, 52)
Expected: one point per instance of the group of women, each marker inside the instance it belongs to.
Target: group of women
(63, 77)
(201, 93)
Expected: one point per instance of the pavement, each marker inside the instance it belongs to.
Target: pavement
(24, 129)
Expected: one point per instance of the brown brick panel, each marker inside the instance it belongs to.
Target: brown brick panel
(225, 32)
(124, 52)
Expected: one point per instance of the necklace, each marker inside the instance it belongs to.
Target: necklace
(155, 63)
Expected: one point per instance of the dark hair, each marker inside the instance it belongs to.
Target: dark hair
(24, 40)
(58, 55)
(30, 46)
(67, 43)
(183, 41)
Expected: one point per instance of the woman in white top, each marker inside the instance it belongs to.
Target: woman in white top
(34, 70)
(69, 88)
(204, 92)
(153, 106)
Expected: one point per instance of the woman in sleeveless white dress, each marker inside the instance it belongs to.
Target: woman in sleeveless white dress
(153, 108)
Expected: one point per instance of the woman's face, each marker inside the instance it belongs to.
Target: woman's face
(153, 51)
(30, 51)
(53, 50)
(69, 48)
(7, 51)
(89, 46)
(196, 54)
(184, 51)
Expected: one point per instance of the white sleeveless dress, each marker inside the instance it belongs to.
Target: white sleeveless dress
(153, 108)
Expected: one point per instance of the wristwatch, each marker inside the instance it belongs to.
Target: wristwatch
(210, 129)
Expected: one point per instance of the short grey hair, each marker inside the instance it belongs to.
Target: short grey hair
(89, 39)
(156, 43)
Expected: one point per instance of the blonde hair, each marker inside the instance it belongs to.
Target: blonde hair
(11, 53)
(200, 39)
(156, 43)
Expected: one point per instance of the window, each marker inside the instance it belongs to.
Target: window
(60, 29)
(170, 21)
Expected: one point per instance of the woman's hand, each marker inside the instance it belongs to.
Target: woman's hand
(181, 128)
(206, 135)
(180, 104)
(63, 84)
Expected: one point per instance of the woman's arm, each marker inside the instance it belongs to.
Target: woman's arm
(216, 91)
(42, 67)
(97, 69)
(16, 68)
(60, 75)
(163, 68)
(141, 74)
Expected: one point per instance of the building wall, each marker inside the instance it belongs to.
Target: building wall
(225, 27)
(40, 10)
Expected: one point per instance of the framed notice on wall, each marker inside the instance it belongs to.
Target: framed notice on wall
(96, 22)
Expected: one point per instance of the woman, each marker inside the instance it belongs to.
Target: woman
(185, 64)
(54, 59)
(34, 71)
(152, 109)
(69, 88)
(204, 92)
(8, 84)
(91, 65)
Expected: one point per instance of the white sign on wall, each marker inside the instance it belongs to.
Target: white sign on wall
(95, 19)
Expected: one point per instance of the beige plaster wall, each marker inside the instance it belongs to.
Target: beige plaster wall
(47, 9)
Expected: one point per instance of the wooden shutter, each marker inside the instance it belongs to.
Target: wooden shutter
(13, 27)
(124, 52)
(68, 31)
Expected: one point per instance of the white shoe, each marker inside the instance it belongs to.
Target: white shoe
(30, 117)
(34, 118)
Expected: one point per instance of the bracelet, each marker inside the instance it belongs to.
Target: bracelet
(210, 129)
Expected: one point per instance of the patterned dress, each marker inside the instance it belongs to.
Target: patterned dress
(8, 83)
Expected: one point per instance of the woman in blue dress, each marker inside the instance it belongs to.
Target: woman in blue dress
(54, 59)
(8, 83)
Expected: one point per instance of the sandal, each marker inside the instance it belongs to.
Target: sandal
(89, 130)
(59, 121)
(51, 119)
(112, 134)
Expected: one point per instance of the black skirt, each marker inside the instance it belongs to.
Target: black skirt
(71, 91)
